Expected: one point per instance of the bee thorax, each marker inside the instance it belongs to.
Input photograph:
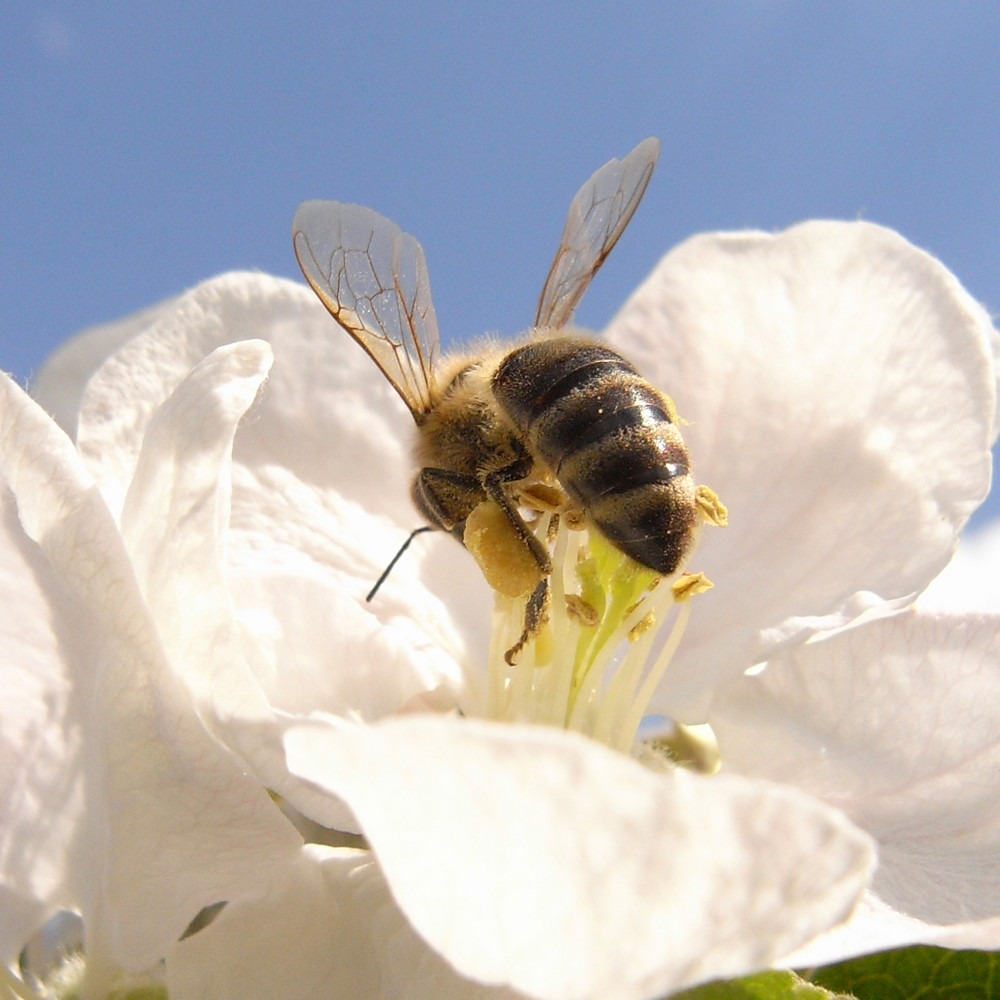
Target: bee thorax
(464, 431)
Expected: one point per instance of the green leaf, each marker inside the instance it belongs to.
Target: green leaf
(918, 972)
(763, 986)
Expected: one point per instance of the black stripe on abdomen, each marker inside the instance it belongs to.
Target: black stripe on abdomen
(614, 404)
(618, 464)
(536, 377)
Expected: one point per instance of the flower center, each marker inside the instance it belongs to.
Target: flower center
(604, 641)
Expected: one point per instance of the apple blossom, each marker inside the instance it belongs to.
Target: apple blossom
(204, 707)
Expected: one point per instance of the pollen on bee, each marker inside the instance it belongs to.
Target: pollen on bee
(508, 566)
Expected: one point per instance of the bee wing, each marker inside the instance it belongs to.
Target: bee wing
(597, 216)
(373, 279)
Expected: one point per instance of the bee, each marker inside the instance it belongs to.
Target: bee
(560, 408)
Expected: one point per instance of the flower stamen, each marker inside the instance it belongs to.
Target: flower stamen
(611, 628)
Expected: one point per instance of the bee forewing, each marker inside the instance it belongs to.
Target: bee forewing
(597, 216)
(373, 279)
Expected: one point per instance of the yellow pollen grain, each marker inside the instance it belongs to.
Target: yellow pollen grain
(689, 584)
(544, 647)
(711, 508)
(644, 624)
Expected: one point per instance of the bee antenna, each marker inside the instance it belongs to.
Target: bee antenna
(395, 559)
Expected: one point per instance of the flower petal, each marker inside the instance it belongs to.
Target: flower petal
(326, 402)
(875, 926)
(40, 768)
(173, 822)
(894, 722)
(320, 494)
(327, 927)
(301, 561)
(536, 858)
(174, 521)
(178, 505)
(62, 380)
(841, 392)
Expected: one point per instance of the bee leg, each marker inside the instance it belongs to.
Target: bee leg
(445, 499)
(536, 609)
(536, 614)
(494, 484)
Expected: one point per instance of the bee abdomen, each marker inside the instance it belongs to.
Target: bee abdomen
(608, 437)
(532, 378)
(653, 524)
(566, 395)
(636, 488)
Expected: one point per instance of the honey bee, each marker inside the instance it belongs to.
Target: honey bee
(560, 409)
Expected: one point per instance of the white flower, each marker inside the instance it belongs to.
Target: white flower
(185, 630)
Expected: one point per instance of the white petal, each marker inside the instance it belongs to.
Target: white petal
(874, 926)
(326, 928)
(301, 561)
(174, 521)
(895, 723)
(173, 822)
(62, 380)
(538, 859)
(320, 496)
(40, 774)
(319, 648)
(841, 393)
(328, 414)
(177, 507)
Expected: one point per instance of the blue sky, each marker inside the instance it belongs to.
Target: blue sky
(146, 147)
